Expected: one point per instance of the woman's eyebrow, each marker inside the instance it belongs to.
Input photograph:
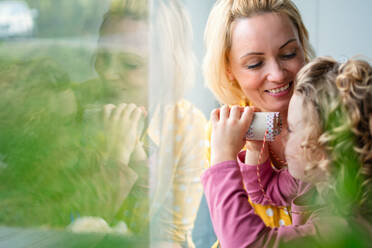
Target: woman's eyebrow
(260, 53)
(251, 53)
(289, 41)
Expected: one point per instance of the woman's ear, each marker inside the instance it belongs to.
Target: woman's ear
(229, 73)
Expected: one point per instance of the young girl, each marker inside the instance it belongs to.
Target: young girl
(329, 152)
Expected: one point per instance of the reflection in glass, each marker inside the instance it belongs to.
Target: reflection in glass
(106, 157)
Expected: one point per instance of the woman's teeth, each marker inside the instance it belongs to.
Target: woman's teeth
(278, 90)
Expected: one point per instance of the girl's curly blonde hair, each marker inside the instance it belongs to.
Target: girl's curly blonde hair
(338, 96)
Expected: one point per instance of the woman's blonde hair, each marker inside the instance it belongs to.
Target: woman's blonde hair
(173, 55)
(137, 10)
(171, 34)
(338, 97)
(218, 40)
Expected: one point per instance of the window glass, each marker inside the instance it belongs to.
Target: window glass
(102, 123)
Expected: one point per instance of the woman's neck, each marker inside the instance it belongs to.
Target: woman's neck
(283, 116)
(277, 147)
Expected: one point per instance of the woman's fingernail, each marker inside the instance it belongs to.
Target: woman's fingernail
(143, 110)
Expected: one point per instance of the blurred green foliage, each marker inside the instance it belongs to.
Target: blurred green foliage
(51, 152)
(51, 167)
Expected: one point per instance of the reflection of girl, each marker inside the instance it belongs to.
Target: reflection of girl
(254, 51)
(175, 129)
(329, 145)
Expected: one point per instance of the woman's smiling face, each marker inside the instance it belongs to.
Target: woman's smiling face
(122, 59)
(264, 58)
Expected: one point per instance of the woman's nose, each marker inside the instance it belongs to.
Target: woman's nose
(277, 72)
(113, 69)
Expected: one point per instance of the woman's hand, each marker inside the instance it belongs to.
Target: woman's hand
(123, 125)
(229, 127)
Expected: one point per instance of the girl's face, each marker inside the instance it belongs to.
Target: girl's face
(265, 56)
(296, 136)
(301, 131)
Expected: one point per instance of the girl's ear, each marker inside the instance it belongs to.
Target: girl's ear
(320, 154)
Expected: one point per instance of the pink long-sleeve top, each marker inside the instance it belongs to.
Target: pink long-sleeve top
(233, 218)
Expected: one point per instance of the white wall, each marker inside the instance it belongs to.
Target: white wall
(200, 95)
(338, 28)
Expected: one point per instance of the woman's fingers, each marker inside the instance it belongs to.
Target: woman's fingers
(215, 115)
(224, 112)
(116, 115)
(107, 111)
(137, 121)
(122, 114)
(247, 115)
(227, 113)
(136, 114)
(127, 112)
(235, 112)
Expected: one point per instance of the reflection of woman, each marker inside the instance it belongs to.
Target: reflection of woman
(121, 63)
(175, 128)
(263, 46)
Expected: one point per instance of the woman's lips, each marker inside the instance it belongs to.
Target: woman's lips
(281, 91)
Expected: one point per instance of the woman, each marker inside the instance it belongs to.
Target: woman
(150, 128)
(254, 51)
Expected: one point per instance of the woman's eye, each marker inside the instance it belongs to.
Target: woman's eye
(254, 66)
(289, 55)
(131, 66)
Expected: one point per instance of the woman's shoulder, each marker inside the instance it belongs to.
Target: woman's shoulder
(182, 118)
(185, 108)
(184, 115)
